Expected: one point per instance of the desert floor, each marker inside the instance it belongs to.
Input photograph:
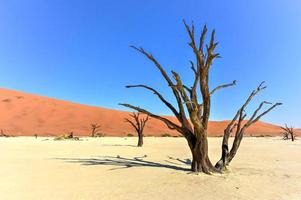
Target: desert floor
(113, 168)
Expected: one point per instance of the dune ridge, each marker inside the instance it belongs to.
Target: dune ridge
(24, 114)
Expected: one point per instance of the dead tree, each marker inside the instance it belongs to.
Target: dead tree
(195, 126)
(138, 124)
(288, 133)
(94, 130)
(285, 135)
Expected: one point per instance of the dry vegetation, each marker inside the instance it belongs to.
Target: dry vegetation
(69, 136)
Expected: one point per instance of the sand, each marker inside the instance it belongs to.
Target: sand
(26, 114)
(265, 168)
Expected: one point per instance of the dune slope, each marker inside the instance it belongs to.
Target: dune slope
(27, 114)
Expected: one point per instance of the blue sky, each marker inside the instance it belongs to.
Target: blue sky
(79, 50)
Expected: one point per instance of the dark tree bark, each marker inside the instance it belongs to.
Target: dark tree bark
(138, 123)
(94, 129)
(240, 125)
(195, 126)
(288, 133)
(140, 140)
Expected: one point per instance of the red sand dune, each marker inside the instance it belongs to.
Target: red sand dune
(27, 114)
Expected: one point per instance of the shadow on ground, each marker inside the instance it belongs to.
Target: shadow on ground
(122, 163)
(119, 145)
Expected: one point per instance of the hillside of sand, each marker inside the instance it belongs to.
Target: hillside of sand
(27, 114)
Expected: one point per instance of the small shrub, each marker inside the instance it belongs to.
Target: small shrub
(99, 135)
(259, 135)
(165, 135)
(69, 136)
(2, 134)
(130, 135)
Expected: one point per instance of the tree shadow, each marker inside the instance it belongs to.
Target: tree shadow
(119, 145)
(173, 160)
(123, 163)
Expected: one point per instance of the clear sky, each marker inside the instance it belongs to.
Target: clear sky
(78, 50)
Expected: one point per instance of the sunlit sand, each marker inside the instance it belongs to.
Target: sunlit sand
(114, 168)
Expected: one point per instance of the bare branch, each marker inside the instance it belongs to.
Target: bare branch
(166, 77)
(193, 67)
(253, 94)
(229, 127)
(132, 123)
(202, 38)
(181, 90)
(262, 114)
(150, 57)
(198, 53)
(258, 109)
(160, 97)
(143, 122)
(223, 86)
(187, 89)
(192, 91)
(169, 123)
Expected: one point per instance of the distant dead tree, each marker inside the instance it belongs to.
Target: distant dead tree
(195, 128)
(94, 130)
(138, 123)
(288, 133)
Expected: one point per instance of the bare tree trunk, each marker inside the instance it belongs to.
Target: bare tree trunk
(235, 146)
(200, 159)
(140, 139)
(224, 160)
(226, 155)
